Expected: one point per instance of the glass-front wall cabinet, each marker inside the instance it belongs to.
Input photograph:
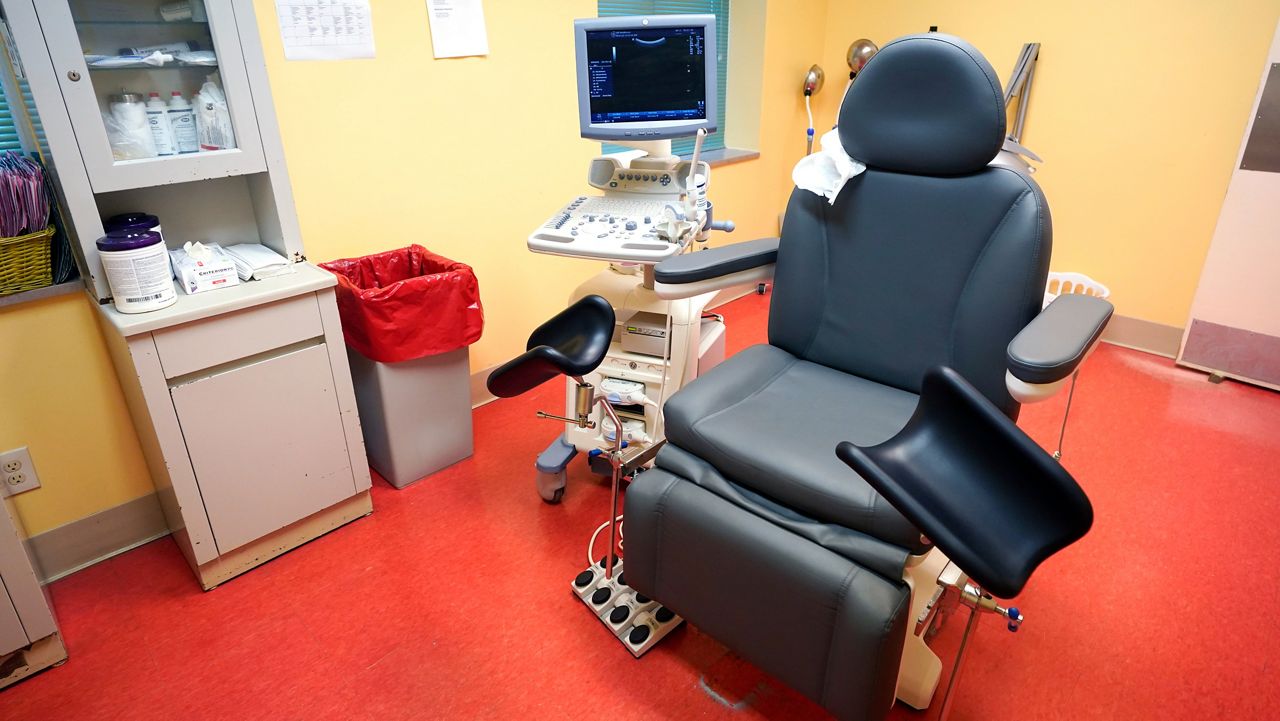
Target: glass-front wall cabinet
(158, 90)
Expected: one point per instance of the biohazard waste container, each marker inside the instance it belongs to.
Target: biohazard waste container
(408, 316)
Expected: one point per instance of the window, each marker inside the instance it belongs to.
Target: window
(719, 8)
(8, 129)
(11, 115)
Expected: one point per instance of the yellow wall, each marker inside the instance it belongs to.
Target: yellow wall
(464, 156)
(467, 156)
(62, 401)
(1138, 110)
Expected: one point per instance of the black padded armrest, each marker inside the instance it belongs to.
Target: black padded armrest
(1054, 343)
(716, 262)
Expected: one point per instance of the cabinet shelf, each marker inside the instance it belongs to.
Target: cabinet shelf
(306, 278)
(176, 65)
(176, 23)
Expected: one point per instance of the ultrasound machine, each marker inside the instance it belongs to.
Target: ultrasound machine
(641, 82)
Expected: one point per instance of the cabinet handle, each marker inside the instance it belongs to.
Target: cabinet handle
(73, 76)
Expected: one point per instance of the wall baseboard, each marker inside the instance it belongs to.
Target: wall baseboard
(77, 545)
(1144, 335)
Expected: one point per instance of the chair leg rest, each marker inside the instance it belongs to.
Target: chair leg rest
(819, 622)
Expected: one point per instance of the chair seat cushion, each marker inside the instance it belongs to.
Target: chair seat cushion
(770, 422)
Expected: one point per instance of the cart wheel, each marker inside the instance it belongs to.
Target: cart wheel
(551, 486)
(761, 288)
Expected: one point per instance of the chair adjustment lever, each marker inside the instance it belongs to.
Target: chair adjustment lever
(979, 600)
(584, 399)
(579, 422)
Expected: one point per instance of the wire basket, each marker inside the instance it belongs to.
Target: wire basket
(24, 262)
(1079, 283)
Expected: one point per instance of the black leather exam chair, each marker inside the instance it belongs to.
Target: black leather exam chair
(928, 265)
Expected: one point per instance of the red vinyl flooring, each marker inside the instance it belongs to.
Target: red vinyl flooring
(452, 601)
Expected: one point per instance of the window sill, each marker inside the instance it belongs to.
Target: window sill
(49, 291)
(726, 156)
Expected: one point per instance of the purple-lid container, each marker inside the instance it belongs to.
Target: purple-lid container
(128, 239)
(131, 220)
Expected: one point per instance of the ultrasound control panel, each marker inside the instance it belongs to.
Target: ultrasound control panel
(615, 228)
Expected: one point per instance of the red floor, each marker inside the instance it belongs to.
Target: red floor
(452, 599)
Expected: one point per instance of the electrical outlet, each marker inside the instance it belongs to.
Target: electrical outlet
(18, 471)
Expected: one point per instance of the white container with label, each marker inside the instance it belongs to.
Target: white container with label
(137, 268)
(158, 120)
(182, 118)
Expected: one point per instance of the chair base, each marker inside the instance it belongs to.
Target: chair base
(637, 621)
(920, 668)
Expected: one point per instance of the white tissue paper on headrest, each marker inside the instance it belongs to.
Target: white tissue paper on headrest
(826, 171)
(197, 250)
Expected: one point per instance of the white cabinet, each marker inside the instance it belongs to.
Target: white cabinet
(84, 39)
(69, 54)
(242, 396)
(288, 458)
(247, 416)
(12, 635)
(29, 638)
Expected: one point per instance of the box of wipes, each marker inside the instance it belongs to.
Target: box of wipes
(201, 267)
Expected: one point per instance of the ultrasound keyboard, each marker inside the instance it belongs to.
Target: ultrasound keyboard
(606, 228)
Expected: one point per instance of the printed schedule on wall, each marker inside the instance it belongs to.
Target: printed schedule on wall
(325, 29)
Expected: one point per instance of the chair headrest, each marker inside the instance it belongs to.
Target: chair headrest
(926, 104)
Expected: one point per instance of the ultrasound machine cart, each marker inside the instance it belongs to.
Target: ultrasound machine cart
(641, 82)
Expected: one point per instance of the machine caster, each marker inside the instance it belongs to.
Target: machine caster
(761, 288)
(551, 487)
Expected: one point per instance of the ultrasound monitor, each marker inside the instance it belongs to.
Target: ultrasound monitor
(646, 78)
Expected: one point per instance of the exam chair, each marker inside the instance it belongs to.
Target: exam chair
(817, 491)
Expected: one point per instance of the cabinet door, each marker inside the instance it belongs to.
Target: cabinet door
(267, 444)
(12, 635)
(88, 41)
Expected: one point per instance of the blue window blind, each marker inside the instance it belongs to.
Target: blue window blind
(8, 130)
(36, 126)
(719, 8)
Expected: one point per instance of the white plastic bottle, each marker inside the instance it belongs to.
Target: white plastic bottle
(182, 118)
(158, 120)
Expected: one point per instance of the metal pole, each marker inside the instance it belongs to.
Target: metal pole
(616, 461)
(955, 668)
(1024, 96)
(1062, 432)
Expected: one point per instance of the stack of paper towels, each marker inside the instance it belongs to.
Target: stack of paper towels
(254, 261)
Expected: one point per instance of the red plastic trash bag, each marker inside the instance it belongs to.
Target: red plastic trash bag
(407, 303)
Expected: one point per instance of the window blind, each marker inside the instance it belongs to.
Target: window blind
(719, 8)
(8, 131)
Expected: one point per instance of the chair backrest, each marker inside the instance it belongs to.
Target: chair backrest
(930, 257)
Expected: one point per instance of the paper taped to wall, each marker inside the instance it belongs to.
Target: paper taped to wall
(325, 29)
(457, 28)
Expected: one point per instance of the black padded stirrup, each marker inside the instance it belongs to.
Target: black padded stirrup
(979, 488)
(572, 343)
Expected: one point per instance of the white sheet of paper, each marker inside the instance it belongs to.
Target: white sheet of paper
(457, 28)
(325, 29)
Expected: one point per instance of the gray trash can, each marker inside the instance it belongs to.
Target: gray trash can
(416, 414)
(408, 316)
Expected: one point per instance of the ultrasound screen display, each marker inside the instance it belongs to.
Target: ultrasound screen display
(644, 75)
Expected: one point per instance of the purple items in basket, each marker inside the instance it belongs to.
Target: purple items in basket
(24, 205)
